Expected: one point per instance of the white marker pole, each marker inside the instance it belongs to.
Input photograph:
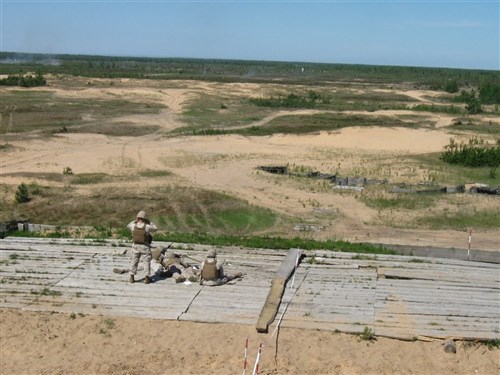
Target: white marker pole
(468, 248)
(245, 358)
(257, 360)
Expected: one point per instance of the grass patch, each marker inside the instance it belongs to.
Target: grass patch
(451, 174)
(279, 243)
(367, 335)
(476, 126)
(6, 147)
(174, 208)
(154, 173)
(488, 218)
(89, 178)
(26, 111)
(218, 113)
(302, 124)
(382, 200)
(343, 99)
(116, 129)
(451, 109)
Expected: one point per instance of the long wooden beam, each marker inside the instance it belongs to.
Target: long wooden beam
(273, 300)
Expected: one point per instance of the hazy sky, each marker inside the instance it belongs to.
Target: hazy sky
(457, 34)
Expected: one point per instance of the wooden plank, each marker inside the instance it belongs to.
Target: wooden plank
(401, 297)
(273, 300)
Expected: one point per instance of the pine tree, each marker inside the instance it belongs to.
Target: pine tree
(22, 194)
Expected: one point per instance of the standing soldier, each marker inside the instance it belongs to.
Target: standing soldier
(141, 229)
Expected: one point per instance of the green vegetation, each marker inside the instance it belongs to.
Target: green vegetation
(367, 335)
(154, 173)
(442, 173)
(205, 112)
(88, 178)
(266, 242)
(257, 242)
(22, 194)
(302, 124)
(476, 126)
(44, 111)
(311, 100)
(489, 93)
(67, 171)
(438, 109)
(239, 70)
(493, 344)
(382, 200)
(24, 80)
(473, 154)
(462, 220)
(343, 99)
(173, 208)
(186, 214)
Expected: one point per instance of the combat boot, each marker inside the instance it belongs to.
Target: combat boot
(193, 279)
(180, 279)
(131, 279)
(147, 280)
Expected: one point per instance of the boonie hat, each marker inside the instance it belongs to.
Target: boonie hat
(141, 215)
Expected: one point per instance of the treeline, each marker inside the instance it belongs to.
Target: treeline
(242, 70)
(472, 154)
(489, 93)
(24, 80)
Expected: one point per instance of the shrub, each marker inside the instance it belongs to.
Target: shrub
(451, 87)
(22, 194)
(489, 93)
(367, 335)
(24, 81)
(473, 154)
(311, 100)
(67, 171)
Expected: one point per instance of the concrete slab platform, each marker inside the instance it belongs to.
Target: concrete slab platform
(402, 297)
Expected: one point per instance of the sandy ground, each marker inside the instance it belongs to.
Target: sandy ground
(38, 343)
(44, 343)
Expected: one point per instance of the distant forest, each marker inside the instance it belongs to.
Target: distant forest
(12, 63)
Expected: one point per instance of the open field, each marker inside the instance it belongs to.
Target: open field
(188, 152)
(95, 151)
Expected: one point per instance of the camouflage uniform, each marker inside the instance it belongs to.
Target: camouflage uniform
(141, 249)
(175, 267)
(212, 271)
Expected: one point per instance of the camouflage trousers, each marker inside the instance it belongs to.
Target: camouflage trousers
(180, 273)
(221, 280)
(139, 251)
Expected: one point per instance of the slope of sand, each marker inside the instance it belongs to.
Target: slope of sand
(229, 164)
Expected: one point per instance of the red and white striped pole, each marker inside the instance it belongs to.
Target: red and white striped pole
(470, 240)
(245, 357)
(257, 360)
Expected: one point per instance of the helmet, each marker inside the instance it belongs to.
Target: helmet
(211, 253)
(141, 215)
